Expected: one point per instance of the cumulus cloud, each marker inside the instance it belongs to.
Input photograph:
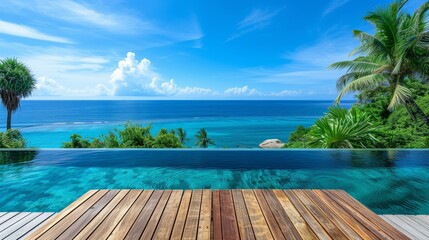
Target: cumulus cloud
(48, 87)
(242, 91)
(138, 78)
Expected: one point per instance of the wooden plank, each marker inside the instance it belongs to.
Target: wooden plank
(337, 220)
(348, 218)
(398, 226)
(130, 217)
(86, 217)
(259, 224)
(300, 224)
(204, 225)
(109, 223)
(11, 221)
(58, 217)
(139, 225)
(179, 223)
(371, 216)
(376, 230)
(217, 221)
(227, 213)
(18, 224)
(3, 213)
(419, 224)
(409, 228)
(166, 223)
(156, 216)
(280, 215)
(327, 224)
(7, 216)
(269, 217)
(309, 218)
(191, 226)
(243, 220)
(95, 222)
(29, 226)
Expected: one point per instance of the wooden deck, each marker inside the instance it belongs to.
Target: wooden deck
(218, 214)
(414, 226)
(17, 225)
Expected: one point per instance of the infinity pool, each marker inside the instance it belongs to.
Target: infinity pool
(386, 181)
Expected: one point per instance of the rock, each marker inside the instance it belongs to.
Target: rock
(272, 143)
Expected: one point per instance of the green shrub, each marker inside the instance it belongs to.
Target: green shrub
(12, 138)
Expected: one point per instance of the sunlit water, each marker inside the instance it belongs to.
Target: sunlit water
(386, 181)
(230, 124)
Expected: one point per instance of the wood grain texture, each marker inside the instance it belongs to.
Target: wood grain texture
(218, 214)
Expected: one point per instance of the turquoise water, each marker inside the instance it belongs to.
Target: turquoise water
(243, 124)
(386, 181)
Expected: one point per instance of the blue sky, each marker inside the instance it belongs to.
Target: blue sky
(183, 49)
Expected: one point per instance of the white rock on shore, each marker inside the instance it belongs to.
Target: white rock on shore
(272, 143)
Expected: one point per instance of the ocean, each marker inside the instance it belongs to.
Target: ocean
(231, 124)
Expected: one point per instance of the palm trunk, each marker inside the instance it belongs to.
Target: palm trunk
(419, 111)
(410, 111)
(9, 119)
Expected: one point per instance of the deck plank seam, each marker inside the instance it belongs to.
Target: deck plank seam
(140, 193)
(25, 214)
(293, 229)
(101, 210)
(176, 214)
(379, 231)
(327, 231)
(39, 235)
(70, 225)
(151, 213)
(162, 212)
(381, 224)
(187, 213)
(247, 213)
(272, 231)
(33, 216)
(417, 228)
(336, 222)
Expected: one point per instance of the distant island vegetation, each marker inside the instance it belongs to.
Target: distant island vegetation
(389, 73)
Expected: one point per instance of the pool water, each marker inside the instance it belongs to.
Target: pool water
(386, 181)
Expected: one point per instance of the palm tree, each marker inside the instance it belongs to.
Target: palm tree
(343, 129)
(16, 82)
(398, 51)
(181, 133)
(202, 139)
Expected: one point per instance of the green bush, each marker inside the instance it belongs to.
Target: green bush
(12, 138)
(131, 136)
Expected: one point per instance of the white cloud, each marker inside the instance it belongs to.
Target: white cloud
(242, 91)
(28, 32)
(50, 87)
(287, 93)
(137, 78)
(256, 19)
(334, 4)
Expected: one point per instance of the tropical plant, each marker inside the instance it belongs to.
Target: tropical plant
(342, 128)
(77, 142)
(398, 51)
(16, 82)
(131, 136)
(203, 140)
(12, 138)
(181, 133)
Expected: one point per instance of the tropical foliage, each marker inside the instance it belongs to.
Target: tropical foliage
(16, 82)
(339, 128)
(12, 139)
(132, 136)
(397, 52)
(394, 129)
(203, 140)
(342, 128)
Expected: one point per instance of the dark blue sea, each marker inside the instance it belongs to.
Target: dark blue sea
(231, 124)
